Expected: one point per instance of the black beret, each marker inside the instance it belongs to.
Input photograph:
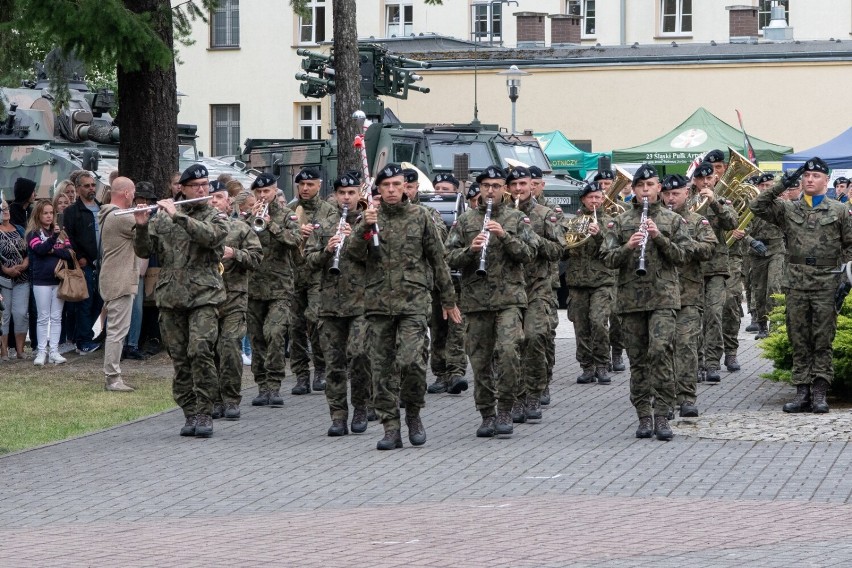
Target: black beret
(23, 189)
(491, 172)
(645, 171)
(450, 178)
(217, 185)
(346, 180)
(410, 175)
(714, 156)
(473, 190)
(703, 170)
(516, 173)
(840, 180)
(604, 174)
(816, 165)
(765, 177)
(264, 180)
(145, 190)
(589, 188)
(535, 172)
(197, 171)
(307, 174)
(675, 181)
(389, 171)
(754, 180)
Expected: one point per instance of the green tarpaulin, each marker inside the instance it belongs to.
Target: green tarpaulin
(698, 134)
(564, 156)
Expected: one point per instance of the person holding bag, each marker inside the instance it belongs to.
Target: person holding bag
(46, 248)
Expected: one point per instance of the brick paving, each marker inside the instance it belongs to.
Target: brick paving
(575, 490)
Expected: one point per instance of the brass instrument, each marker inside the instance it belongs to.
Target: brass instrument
(481, 271)
(154, 207)
(612, 204)
(259, 223)
(731, 186)
(577, 230)
(643, 228)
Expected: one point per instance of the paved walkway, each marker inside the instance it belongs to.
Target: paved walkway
(575, 490)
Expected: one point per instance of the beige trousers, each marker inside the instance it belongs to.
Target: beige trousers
(118, 325)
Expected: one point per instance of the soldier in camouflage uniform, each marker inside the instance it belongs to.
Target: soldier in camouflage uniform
(342, 325)
(398, 294)
(538, 276)
(676, 195)
(311, 211)
(648, 303)
(271, 291)
(591, 288)
(241, 256)
(493, 303)
(819, 239)
(605, 179)
(188, 244)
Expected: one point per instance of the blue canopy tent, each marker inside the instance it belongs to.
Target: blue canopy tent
(837, 153)
(565, 157)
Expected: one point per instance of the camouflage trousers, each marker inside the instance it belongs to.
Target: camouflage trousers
(537, 327)
(190, 338)
(229, 353)
(447, 358)
(493, 344)
(748, 281)
(398, 356)
(303, 326)
(650, 340)
(346, 347)
(687, 336)
(268, 322)
(732, 313)
(710, 348)
(590, 313)
(616, 336)
(811, 325)
(766, 276)
(551, 343)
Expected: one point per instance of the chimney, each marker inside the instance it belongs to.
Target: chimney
(565, 29)
(777, 30)
(530, 29)
(742, 24)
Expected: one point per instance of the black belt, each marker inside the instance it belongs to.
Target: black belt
(816, 261)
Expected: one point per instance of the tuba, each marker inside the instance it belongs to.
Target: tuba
(612, 206)
(732, 187)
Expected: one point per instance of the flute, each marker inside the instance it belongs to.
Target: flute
(481, 271)
(335, 264)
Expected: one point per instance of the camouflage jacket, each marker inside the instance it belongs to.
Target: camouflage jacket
(819, 239)
(737, 248)
(767, 233)
(722, 218)
(247, 256)
(700, 249)
(439, 224)
(314, 211)
(585, 267)
(189, 247)
(341, 295)
(273, 279)
(659, 288)
(538, 272)
(503, 286)
(410, 249)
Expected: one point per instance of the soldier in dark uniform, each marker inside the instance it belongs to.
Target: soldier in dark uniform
(398, 292)
(648, 303)
(188, 243)
(819, 239)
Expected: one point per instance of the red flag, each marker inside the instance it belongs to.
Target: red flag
(748, 149)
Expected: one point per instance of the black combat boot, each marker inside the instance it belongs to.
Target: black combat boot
(371, 415)
(713, 376)
(319, 380)
(545, 396)
(232, 411)
(753, 326)
(416, 430)
(218, 411)
(189, 427)
(617, 361)
(438, 387)
(204, 426)
(646, 427)
(532, 409)
(518, 414)
(338, 427)
(602, 376)
(819, 391)
(457, 385)
(763, 331)
(359, 420)
(275, 399)
(488, 427)
(731, 363)
(504, 423)
(587, 377)
(802, 402)
(688, 409)
(391, 441)
(262, 399)
(662, 429)
(303, 386)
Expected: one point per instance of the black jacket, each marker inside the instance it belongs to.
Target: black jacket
(79, 225)
(19, 213)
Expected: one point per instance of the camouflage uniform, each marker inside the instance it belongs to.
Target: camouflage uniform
(493, 305)
(188, 246)
(766, 271)
(397, 301)
(554, 304)
(342, 325)
(648, 304)
(306, 297)
(270, 296)
(591, 288)
(732, 313)
(819, 239)
(232, 313)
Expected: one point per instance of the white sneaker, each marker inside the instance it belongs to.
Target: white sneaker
(247, 360)
(56, 358)
(40, 358)
(66, 347)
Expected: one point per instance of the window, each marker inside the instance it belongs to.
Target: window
(400, 20)
(764, 13)
(225, 24)
(310, 122)
(312, 27)
(676, 17)
(487, 20)
(586, 9)
(226, 129)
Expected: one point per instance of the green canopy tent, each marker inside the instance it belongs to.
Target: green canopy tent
(699, 133)
(565, 157)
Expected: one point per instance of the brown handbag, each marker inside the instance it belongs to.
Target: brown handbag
(72, 281)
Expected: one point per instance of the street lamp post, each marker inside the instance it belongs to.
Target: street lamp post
(513, 85)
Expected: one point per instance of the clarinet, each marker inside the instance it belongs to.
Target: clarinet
(643, 227)
(335, 264)
(481, 270)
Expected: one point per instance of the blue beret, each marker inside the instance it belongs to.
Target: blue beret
(714, 156)
(389, 171)
(491, 172)
(197, 171)
(517, 173)
(263, 180)
(450, 178)
(816, 165)
(604, 174)
(589, 188)
(535, 172)
(645, 171)
(703, 170)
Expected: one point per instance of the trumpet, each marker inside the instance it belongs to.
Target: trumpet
(154, 207)
(259, 223)
(335, 264)
(643, 227)
(481, 271)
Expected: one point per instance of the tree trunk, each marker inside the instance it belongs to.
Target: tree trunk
(347, 78)
(148, 112)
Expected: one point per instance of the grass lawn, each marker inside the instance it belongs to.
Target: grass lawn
(47, 404)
